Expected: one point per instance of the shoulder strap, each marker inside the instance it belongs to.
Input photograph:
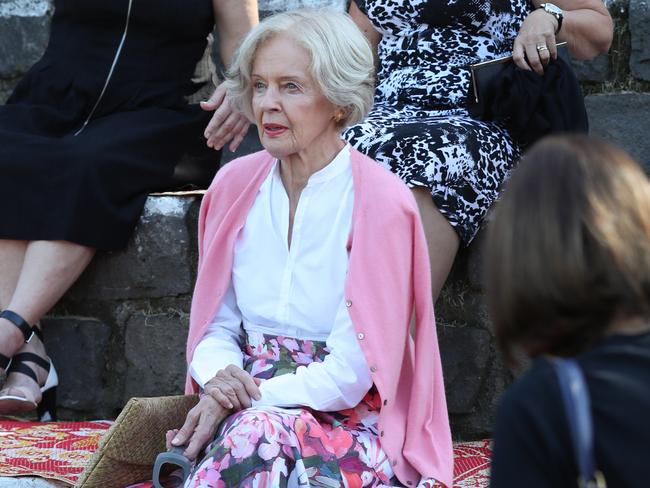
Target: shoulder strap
(577, 407)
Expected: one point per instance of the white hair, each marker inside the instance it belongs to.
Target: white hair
(341, 59)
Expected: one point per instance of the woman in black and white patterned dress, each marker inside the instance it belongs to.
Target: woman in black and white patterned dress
(419, 128)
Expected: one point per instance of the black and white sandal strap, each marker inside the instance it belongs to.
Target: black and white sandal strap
(18, 364)
(27, 330)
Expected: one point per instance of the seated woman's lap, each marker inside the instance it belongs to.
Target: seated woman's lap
(66, 184)
(462, 161)
(269, 443)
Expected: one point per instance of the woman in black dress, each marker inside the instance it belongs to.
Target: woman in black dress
(98, 123)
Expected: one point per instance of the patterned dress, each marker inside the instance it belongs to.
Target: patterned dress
(274, 447)
(418, 127)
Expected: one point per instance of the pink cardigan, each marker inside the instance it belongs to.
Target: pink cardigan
(388, 271)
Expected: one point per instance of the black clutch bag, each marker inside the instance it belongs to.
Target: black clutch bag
(529, 105)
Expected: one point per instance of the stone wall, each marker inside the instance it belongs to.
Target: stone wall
(120, 331)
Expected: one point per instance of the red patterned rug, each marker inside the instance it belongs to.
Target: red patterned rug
(54, 450)
(60, 450)
(472, 464)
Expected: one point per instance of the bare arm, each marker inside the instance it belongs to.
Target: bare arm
(587, 27)
(366, 26)
(233, 18)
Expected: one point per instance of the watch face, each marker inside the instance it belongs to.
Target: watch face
(552, 9)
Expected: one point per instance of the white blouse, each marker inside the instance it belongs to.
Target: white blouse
(293, 292)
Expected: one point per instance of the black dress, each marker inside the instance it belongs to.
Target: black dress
(125, 67)
(532, 445)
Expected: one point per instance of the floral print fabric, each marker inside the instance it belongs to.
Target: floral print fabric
(264, 447)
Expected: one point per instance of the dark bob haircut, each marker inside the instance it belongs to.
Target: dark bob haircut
(568, 250)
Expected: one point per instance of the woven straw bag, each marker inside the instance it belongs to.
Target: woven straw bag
(128, 450)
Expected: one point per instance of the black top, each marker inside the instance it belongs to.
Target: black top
(163, 43)
(532, 446)
(89, 187)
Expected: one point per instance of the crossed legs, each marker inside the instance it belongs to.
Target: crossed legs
(33, 277)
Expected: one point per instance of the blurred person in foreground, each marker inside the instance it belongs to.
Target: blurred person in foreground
(568, 274)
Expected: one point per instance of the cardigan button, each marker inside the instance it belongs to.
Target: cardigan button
(348, 303)
(361, 336)
(381, 434)
(385, 402)
(394, 463)
(373, 369)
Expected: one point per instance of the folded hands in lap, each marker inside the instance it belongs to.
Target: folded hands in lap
(233, 388)
(199, 428)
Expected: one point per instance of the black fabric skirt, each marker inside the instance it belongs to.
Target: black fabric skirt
(90, 187)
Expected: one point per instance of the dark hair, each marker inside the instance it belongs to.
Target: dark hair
(568, 249)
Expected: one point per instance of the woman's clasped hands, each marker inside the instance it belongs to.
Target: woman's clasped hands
(232, 389)
(200, 426)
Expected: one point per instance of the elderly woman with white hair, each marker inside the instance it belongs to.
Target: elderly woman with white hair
(312, 262)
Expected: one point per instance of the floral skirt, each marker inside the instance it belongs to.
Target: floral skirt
(295, 447)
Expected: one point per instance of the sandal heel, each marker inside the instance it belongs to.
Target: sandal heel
(46, 410)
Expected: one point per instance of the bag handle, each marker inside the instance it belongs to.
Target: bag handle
(577, 408)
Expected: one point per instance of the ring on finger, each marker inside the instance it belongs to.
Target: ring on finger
(541, 47)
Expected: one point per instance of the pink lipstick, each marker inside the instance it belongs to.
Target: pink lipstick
(274, 130)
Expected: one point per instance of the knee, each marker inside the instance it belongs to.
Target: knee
(257, 429)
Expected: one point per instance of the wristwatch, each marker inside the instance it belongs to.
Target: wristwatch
(555, 11)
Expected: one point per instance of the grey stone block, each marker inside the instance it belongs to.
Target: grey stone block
(596, 70)
(78, 348)
(159, 260)
(640, 31)
(622, 118)
(465, 352)
(24, 25)
(155, 353)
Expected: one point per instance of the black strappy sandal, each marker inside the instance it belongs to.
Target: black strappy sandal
(46, 409)
(27, 330)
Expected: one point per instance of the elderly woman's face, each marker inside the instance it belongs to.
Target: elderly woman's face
(291, 113)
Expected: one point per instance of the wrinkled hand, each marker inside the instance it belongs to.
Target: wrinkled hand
(233, 388)
(538, 29)
(199, 428)
(226, 124)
